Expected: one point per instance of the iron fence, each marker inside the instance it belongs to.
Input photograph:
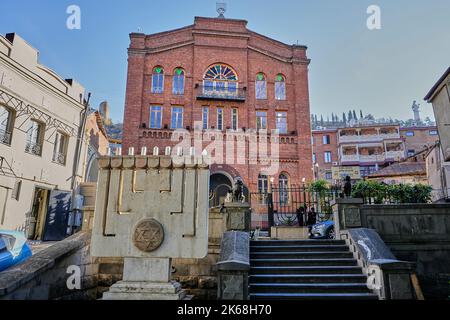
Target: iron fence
(299, 206)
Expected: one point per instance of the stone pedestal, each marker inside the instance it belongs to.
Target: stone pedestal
(146, 279)
(237, 216)
(346, 214)
(289, 233)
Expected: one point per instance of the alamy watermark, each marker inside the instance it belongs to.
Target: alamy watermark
(374, 19)
(73, 22)
(232, 147)
(74, 280)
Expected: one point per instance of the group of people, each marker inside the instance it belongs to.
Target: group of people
(306, 217)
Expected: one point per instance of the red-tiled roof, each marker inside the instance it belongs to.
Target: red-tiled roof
(401, 169)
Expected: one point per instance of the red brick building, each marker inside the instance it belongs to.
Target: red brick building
(221, 76)
(325, 153)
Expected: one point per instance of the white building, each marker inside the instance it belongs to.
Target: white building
(40, 117)
(438, 160)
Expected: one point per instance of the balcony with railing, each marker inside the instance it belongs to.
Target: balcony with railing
(59, 158)
(5, 137)
(221, 93)
(368, 135)
(33, 148)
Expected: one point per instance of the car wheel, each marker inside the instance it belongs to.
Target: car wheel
(330, 234)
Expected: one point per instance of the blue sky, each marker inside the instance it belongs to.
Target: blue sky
(379, 71)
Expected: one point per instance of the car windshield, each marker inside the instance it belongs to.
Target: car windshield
(6, 241)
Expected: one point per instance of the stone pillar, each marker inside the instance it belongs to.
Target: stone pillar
(233, 266)
(237, 216)
(346, 214)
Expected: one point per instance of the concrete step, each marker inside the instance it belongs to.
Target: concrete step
(308, 288)
(306, 270)
(304, 262)
(301, 255)
(298, 248)
(296, 242)
(313, 296)
(307, 278)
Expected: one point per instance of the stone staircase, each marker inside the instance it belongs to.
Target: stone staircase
(305, 270)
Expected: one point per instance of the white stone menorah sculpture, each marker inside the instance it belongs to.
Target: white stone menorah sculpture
(150, 209)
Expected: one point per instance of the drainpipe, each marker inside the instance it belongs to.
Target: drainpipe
(81, 128)
(77, 156)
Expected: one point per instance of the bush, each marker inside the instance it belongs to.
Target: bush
(381, 193)
(319, 186)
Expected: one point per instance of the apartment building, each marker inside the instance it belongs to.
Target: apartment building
(40, 128)
(438, 159)
(418, 139)
(325, 153)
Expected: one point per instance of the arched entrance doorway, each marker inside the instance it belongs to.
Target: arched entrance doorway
(219, 186)
(220, 183)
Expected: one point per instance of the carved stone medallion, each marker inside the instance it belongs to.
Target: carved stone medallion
(148, 235)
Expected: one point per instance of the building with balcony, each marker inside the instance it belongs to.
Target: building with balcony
(370, 147)
(40, 120)
(220, 77)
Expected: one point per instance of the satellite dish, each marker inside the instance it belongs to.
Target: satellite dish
(221, 8)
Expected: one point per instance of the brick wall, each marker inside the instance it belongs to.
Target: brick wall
(195, 48)
(319, 149)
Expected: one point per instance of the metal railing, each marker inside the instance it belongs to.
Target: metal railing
(33, 148)
(300, 205)
(210, 93)
(59, 158)
(5, 137)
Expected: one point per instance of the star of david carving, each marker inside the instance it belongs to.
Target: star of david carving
(148, 235)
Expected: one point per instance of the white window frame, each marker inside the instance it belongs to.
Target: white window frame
(220, 118)
(327, 159)
(259, 123)
(35, 140)
(234, 118)
(177, 118)
(155, 89)
(176, 80)
(205, 122)
(7, 125)
(261, 94)
(158, 126)
(280, 96)
(277, 118)
(60, 148)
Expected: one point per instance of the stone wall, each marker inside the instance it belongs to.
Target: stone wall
(110, 271)
(44, 276)
(199, 276)
(418, 233)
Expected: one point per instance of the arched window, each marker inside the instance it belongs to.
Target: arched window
(220, 79)
(263, 183)
(261, 86)
(283, 186)
(178, 81)
(158, 80)
(280, 87)
(6, 124)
